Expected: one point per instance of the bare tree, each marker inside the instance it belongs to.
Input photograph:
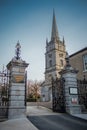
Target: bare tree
(33, 89)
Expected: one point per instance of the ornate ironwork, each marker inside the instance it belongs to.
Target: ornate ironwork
(82, 93)
(4, 93)
(25, 88)
(18, 51)
(67, 60)
(58, 103)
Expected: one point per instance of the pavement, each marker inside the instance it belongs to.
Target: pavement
(82, 116)
(17, 124)
(25, 124)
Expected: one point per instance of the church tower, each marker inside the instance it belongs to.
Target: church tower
(55, 53)
(54, 59)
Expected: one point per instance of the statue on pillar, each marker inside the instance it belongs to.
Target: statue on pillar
(18, 51)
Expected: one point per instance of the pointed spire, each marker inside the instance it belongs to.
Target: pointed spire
(3, 68)
(46, 40)
(63, 40)
(54, 34)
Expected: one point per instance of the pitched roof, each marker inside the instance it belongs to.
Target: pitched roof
(84, 49)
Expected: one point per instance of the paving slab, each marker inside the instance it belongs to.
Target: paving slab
(17, 124)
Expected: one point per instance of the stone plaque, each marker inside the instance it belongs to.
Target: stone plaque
(73, 90)
(18, 79)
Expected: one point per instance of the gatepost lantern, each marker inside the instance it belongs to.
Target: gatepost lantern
(17, 91)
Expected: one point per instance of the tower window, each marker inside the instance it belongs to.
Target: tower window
(50, 63)
(61, 63)
(60, 47)
(50, 55)
(61, 55)
(85, 62)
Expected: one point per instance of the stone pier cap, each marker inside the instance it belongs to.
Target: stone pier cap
(17, 62)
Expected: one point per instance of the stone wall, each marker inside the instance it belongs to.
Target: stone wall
(76, 62)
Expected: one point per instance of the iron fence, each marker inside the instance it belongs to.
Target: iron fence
(4, 93)
(58, 103)
(82, 93)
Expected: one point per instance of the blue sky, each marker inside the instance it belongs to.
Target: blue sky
(30, 22)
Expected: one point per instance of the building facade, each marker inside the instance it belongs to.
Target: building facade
(54, 60)
(78, 61)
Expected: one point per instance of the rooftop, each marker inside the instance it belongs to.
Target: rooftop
(84, 49)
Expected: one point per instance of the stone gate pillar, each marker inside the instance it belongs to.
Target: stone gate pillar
(70, 89)
(17, 83)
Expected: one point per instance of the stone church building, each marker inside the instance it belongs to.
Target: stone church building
(54, 60)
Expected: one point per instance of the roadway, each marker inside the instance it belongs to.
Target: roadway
(45, 119)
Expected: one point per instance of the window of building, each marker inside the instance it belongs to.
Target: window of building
(85, 62)
(60, 47)
(50, 55)
(61, 55)
(50, 76)
(49, 48)
(61, 63)
(50, 63)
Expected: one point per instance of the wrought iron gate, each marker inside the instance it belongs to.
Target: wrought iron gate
(82, 93)
(4, 85)
(58, 103)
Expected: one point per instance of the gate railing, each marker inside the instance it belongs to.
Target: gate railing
(82, 93)
(4, 96)
(58, 103)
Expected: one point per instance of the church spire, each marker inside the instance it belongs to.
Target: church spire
(63, 40)
(54, 34)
